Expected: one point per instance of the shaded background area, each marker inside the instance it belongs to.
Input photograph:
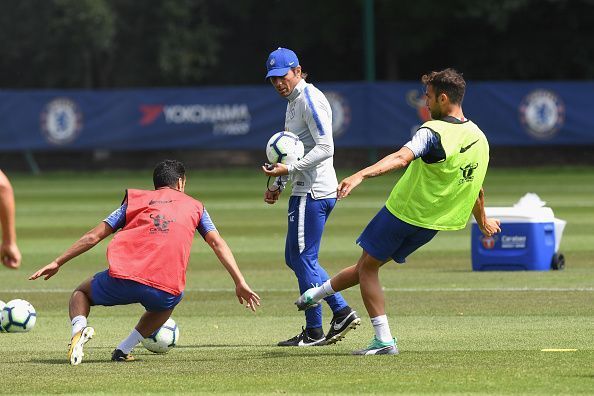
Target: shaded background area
(124, 43)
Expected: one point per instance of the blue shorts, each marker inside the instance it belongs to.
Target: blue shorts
(108, 291)
(386, 236)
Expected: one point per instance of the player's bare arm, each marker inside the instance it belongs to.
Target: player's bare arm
(223, 252)
(398, 160)
(487, 226)
(10, 255)
(86, 242)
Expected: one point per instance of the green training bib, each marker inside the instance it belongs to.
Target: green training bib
(440, 195)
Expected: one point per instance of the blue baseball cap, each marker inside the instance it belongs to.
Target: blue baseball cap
(280, 61)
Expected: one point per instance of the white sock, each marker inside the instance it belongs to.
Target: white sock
(323, 291)
(382, 328)
(78, 323)
(129, 343)
(327, 288)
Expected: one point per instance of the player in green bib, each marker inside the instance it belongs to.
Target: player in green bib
(447, 162)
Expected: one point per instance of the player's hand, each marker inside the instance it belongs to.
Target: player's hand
(48, 271)
(275, 170)
(10, 255)
(245, 294)
(347, 185)
(491, 227)
(270, 197)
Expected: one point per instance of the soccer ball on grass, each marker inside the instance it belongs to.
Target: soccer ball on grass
(2, 305)
(18, 316)
(284, 147)
(165, 338)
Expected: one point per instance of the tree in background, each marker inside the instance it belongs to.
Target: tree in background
(58, 43)
(171, 42)
(105, 43)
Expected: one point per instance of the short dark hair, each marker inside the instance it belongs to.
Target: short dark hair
(167, 173)
(447, 81)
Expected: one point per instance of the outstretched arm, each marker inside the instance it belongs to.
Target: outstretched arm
(86, 242)
(10, 254)
(399, 159)
(487, 226)
(225, 256)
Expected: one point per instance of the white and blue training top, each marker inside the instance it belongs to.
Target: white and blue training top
(426, 142)
(309, 116)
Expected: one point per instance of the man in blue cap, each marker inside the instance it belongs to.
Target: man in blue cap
(313, 197)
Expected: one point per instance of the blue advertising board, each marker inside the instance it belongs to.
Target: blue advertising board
(383, 114)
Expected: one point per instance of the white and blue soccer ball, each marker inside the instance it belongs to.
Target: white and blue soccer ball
(165, 338)
(18, 316)
(284, 147)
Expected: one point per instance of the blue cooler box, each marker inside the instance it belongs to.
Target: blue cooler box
(526, 241)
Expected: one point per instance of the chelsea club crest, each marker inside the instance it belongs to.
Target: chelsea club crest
(542, 113)
(341, 113)
(61, 121)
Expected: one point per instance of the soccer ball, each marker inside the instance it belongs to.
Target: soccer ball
(284, 147)
(2, 305)
(165, 338)
(18, 316)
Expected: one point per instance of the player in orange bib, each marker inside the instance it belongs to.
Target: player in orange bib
(147, 259)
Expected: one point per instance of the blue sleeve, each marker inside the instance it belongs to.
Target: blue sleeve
(422, 142)
(117, 218)
(206, 225)
(319, 115)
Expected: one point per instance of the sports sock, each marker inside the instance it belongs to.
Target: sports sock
(78, 323)
(315, 333)
(327, 288)
(323, 291)
(343, 312)
(129, 343)
(382, 328)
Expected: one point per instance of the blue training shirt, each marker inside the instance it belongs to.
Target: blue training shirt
(117, 220)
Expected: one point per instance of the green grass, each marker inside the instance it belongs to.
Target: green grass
(459, 331)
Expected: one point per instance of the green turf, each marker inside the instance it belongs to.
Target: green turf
(459, 331)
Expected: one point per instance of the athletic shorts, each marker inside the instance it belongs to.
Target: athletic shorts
(386, 236)
(108, 291)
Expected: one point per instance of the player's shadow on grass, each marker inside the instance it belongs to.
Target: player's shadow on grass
(66, 363)
(287, 354)
(217, 346)
(278, 352)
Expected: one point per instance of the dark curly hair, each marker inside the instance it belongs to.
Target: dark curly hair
(447, 81)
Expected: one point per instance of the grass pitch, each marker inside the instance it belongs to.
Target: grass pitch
(459, 331)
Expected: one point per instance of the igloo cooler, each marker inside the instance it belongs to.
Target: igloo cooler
(529, 241)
